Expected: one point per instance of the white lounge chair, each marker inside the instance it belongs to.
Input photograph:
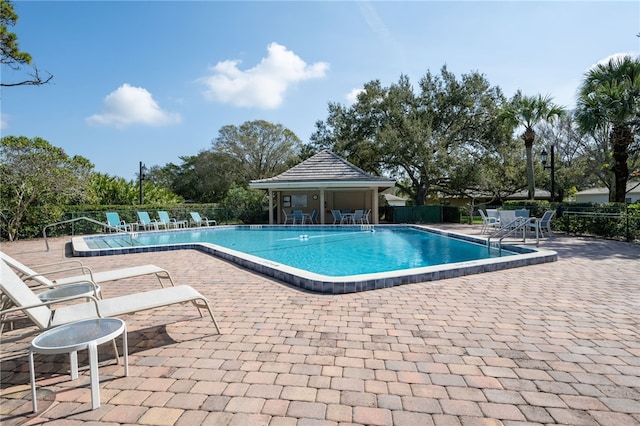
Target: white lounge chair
(40, 312)
(45, 270)
(198, 220)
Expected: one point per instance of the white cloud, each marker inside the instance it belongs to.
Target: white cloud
(264, 85)
(4, 121)
(352, 96)
(129, 105)
(606, 60)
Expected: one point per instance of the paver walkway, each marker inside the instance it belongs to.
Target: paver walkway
(557, 343)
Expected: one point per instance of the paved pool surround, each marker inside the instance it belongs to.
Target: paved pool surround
(525, 255)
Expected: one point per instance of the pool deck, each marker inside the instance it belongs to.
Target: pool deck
(554, 343)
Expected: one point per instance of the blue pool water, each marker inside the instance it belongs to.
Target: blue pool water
(330, 251)
(330, 259)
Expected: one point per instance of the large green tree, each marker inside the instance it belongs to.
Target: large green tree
(609, 101)
(529, 112)
(253, 150)
(260, 149)
(203, 178)
(10, 54)
(33, 173)
(439, 140)
(105, 190)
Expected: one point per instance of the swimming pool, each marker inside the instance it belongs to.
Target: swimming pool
(329, 259)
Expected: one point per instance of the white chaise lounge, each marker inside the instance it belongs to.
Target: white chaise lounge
(25, 300)
(41, 276)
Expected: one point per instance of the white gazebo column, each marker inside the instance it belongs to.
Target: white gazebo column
(374, 206)
(322, 209)
(271, 206)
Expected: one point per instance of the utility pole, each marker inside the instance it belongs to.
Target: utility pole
(141, 176)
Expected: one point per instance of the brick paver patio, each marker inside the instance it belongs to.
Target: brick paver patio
(557, 343)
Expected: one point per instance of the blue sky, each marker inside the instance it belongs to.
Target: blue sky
(152, 81)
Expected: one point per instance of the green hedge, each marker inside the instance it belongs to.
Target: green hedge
(607, 220)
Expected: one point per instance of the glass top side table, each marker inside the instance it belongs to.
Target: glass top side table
(70, 338)
(79, 289)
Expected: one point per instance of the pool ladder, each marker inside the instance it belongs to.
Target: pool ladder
(516, 225)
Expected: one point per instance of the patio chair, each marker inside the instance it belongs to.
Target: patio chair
(522, 213)
(507, 219)
(494, 217)
(287, 217)
(198, 220)
(298, 216)
(358, 216)
(337, 216)
(313, 217)
(365, 218)
(145, 222)
(544, 224)
(488, 221)
(40, 312)
(485, 221)
(170, 222)
(115, 224)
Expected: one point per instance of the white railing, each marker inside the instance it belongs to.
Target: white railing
(519, 224)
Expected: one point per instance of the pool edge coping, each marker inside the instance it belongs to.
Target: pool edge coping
(317, 283)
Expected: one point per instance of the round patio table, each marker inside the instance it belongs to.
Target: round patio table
(79, 289)
(76, 336)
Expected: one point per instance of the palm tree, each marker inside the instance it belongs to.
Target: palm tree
(528, 112)
(609, 100)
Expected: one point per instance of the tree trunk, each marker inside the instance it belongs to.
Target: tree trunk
(621, 138)
(421, 195)
(528, 137)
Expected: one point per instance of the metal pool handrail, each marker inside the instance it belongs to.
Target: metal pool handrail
(44, 230)
(516, 225)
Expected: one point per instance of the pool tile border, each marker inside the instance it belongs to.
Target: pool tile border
(525, 256)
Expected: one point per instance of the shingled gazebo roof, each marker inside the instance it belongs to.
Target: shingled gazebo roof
(323, 170)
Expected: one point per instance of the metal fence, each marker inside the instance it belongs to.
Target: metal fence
(623, 225)
(128, 215)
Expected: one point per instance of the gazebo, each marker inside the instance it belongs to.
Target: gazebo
(323, 182)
